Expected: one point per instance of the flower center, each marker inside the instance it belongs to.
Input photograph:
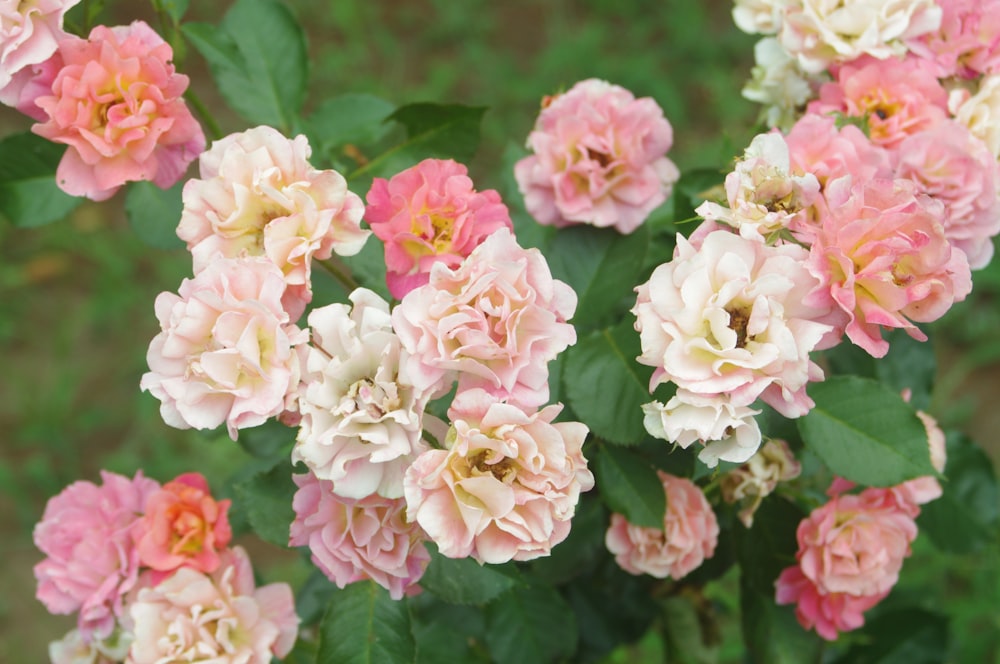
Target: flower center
(367, 396)
(501, 470)
(738, 321)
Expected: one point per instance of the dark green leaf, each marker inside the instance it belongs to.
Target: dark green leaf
(175, 8)
(602, 266)
(314, 596)
(266, 498)
(769, 546)
(630, 486)
(363, 625)
(605, 385)
(687, 639)
(772, 634)
(581, 550)
(29, 195)
(356, 119)
(447, 633)
(691, 191)
(271, 440)
(865, 432)
(368, 267)
(907, 636)
(464, 581)
(154, 213)
(530, 624)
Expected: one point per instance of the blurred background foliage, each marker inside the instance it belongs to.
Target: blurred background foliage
(76, 297)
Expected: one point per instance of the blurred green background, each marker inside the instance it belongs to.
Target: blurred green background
(76, 310)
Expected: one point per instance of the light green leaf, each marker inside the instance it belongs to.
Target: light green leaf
(175, 8)
(464, 581)
(29, 196)
(865, 432)
(530, 625)
(266, 498)
(630, 486)
(363, 625)
(154, 213)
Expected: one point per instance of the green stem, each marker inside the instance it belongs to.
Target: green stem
(339, 272)
(214, 130)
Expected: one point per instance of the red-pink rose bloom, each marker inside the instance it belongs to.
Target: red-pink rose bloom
(599, 158)
(351, 540)
(184, 526)
(507, 485)
(221, 617)
(850, 552)
(496, 321)
(226, 351)
(29, 34)
(968, 42)
(259, 196)
(427, 214)
(951, 165)
(117, 104)
(85, 534)
(884, 258)
(689, 535)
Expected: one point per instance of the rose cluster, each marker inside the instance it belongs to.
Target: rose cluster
(151, 575)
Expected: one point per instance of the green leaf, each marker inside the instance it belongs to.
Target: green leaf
(258, 59)
(271, 440)
(687, 632)
(905, 636)
(630, 486)
(266, 498)
(154, 213)
(29, 195)
(580, 552)
(447, 633)
(175, 8)
(368, 267)
(602, 266)
(529, 232)
(690, 192)
(865, 432)
(770, 545)
(909, 364)
(605, 385)
(356, 119)
(771, 633)
(464, 581)
(442, 131)
(529, 625)
(363, 625)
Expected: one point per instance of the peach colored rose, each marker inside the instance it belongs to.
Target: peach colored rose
(117, 104)
(494, 322)
(689, 535)
(427, 214)
(727, 432)
(599, 158)
(90, 561)
(258, 195)
(226, 351)
(29, 34)
(749, 484)
(183, 526)
(351, 540)
(75, 649)
(507, 486)
(980, 111)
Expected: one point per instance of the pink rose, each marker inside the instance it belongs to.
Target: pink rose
(90, 561)
(183, 527)
(29, 34)
(427, 214)
(259, 196)
(222, 617)
(599, 158)
(31, 83)
(828, 613)
(689, 535)
(884, 259)
(351, 540)
(968, 42)
(507, 486)
(117, 103)
(496, 320)
(227, 351)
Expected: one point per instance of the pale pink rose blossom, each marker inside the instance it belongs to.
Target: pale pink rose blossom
(495, 322)
(967, 43)
(689, 535)
(85, 534)
(951, 165)
(749, 484)
(31, 83)
(885, 261)
(227, 351)
(758, 16)
(727, 432)
(74, 648)
(729, 317)
(827, 613)
(258, 195)
(362, 418)
(222, 617)
(980, 111)
(183, 526)
(599, 158)
(822, 32)
(427, 214)
(351, 540)
(117, 104)
(507, 486)
(897, 98)
(29, 34)
(779, 84)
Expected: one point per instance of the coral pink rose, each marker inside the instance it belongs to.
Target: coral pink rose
(227, 351)
(117, 103)
(184, 526)
(222, 617)
(351, 540)
(259, 196)
(29, 34)
(90, 561)
(496, 321)
(828, 613)
(599, 158)
(689, 535)
(430, 213)
(507, 486)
